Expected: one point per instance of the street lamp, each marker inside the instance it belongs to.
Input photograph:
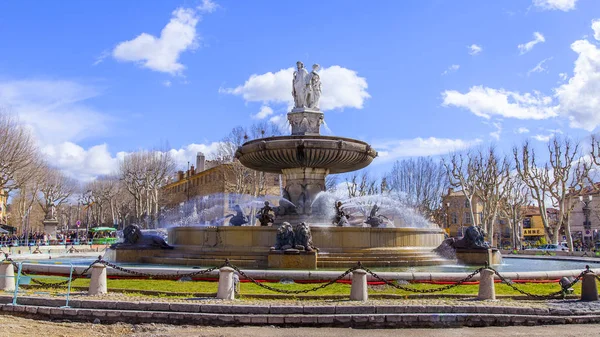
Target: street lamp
(587, 210)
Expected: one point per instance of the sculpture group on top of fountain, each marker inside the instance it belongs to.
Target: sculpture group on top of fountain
(306, 87)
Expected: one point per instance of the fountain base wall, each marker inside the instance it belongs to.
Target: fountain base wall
(339, 247)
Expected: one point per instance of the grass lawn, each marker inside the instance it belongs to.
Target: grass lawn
(180, 288)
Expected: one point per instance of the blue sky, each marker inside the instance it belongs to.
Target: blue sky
(97, 79)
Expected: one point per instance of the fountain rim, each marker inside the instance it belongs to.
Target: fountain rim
(305, 137)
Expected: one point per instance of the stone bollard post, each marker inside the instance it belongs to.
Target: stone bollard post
(487, 291)
(98, 280)
(226, 289)
(589, 289)
(7, 276)
(359, 290)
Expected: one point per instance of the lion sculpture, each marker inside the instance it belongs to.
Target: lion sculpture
(134, 238)
(474, 238)
(303, 238)
(285, 237)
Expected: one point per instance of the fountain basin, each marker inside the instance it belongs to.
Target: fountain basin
(339, 247)
(336, 154)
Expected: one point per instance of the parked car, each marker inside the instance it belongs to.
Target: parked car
(549, 248)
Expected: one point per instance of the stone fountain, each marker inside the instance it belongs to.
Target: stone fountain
(304, 159)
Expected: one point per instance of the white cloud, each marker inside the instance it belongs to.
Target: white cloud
(562, 5)
(391, 150)
(543, 138)
(342, 88)
(579, 98)
(282, 123)
(487, 102)
(451, 69)
(88, 164)
(80, 163)
(264, 112)
(522, 130)
(101, 58)
(167, 83)
(496, 134)
(474, 49)
(55, 110)
(207, 6)
(526, 47)
(539, 67)
(188, 153)
(596, 28)
(162, 53)
(563, 76)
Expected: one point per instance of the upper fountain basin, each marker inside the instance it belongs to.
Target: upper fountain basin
(337, 154)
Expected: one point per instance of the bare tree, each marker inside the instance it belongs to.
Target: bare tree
(55, 189)
(491, 174)
(143, 173)
(515, 200)
(19, 159)
(461, 171)
(360, 184)
(419, 183)
(554, 183)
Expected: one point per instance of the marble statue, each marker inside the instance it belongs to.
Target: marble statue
(264, 215)
(135, 239)
(299, 85)
(239, 218)
(313, 88)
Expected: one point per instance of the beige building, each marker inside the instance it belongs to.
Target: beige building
(586, 230)
(210, 190)
(458, 217)
(458, 214)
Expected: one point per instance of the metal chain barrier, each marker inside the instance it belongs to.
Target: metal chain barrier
(423, 291)
(286, 291)
(562, 292)
(155, 276)
(55, 284)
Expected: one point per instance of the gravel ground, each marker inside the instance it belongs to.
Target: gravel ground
(114, 297)
(16, 326)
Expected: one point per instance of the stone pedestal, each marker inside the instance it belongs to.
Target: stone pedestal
(98, 284)
(7, 276)
(226, 289)
(292, 259)
(487, 291)
(302, 186)
(359, 289)
(305, 121)
(589, 288)
(479, 257)
(50, 227)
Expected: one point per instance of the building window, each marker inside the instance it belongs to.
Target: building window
(527, 223)
(454, 218)
(468, 219)
(467, 204)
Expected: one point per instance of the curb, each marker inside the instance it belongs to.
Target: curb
(412, 320)
(359, 316)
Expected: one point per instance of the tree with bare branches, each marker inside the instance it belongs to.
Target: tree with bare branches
(55, 189)
(555, 182)
(419, 183)
(515, 200)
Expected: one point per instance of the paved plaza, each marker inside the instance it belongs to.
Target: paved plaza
(17, 326)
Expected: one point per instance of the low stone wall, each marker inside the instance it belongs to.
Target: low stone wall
(355, 316)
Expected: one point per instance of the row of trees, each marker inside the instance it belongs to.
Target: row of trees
(132, 194)
(494, 185)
